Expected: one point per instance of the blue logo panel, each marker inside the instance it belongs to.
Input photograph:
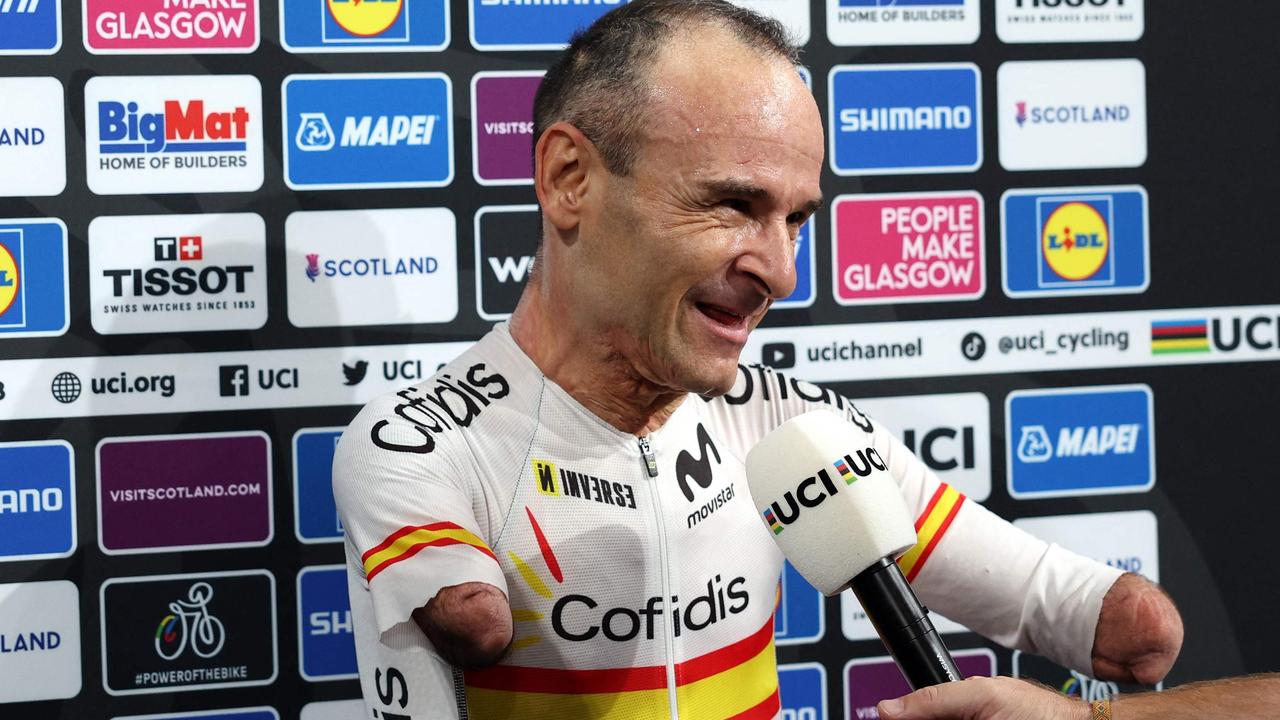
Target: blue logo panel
(30, 27)
(316, 513)
(1080, 441)
(496, 25)
(799, 616)
(364, 25)
(1038, 253)
(328, 644)
(368, 131)
(887, 119)
(33, 278)
(803, 688)
(802, 296)
(37, 500)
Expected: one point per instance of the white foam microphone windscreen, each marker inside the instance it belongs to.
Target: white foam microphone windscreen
(828, 499)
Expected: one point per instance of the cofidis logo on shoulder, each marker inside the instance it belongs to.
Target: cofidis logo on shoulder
(1075, 241)
(33, 278)
(325, 26)
(30, 27)
(891, 119)
(367, 131)
(532, 24)
(170, 26)
(173, 134)
(1080, 441)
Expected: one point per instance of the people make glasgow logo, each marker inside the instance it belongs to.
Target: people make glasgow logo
(171, 26)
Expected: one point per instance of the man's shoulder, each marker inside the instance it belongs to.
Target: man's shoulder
(757, 386)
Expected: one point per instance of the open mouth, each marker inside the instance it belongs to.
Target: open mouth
(721, 315)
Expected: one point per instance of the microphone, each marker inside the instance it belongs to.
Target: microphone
(828, 499)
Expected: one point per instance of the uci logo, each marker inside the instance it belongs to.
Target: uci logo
(1076, 241)
(10, 279)
(365, 18)
(848, 468)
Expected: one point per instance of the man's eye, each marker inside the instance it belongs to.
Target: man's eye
(797, 218)
(737, 205)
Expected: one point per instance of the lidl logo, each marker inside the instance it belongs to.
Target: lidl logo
(326, 637)
(367, 131)
(364, 25)
(315, 512)
(803, 691)
(1075, 241)
(890, 119)
(30, 27)
(525, 25)
(171, 26)
(33, 278)
(37, 500)
(1080, 441)
(798, 618)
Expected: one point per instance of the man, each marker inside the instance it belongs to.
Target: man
(556, 525)
(1248, 698)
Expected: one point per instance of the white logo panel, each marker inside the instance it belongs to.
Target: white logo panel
(33, 145)
(39, 641)
(1044, 21)
(951, 434)
(334, 710)
(884, 22)
(371, 267)
(178, 273)
(1126, 541)
(793, 14)
(1072, 114)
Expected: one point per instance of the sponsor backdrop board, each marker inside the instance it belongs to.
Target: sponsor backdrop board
(1044, 265)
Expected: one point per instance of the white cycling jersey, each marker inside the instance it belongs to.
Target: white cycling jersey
(641, 580)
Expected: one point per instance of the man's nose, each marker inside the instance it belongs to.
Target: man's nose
(769, 259)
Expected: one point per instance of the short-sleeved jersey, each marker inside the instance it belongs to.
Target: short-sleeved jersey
(642, 582)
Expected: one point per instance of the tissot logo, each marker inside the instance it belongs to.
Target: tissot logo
(1031, 21)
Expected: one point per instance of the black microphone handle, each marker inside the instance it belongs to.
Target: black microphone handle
(904, 626)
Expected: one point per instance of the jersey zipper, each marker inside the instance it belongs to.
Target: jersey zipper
(668, 635)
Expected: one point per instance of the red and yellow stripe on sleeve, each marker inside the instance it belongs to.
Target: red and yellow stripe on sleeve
(409, 541)
(930, 527)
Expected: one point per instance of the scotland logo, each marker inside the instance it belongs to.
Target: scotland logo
(313, 266)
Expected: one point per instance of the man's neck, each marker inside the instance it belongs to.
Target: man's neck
(592, 370)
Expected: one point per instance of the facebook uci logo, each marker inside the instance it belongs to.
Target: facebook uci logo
(888, 119)
(33, 278)
(364, 25)
(803, 689)
(37, 500)
(798, 618)
(30, 27)
(315, 512)
(367, 131)
(506, 25)
(1080, 441)
(327, 646)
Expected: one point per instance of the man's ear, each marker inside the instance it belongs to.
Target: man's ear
(564, 160)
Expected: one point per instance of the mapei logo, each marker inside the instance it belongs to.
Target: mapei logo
(170, 26)
(173, 134)
(902, 22)
(849, 469)
(891, 119)
(1072, 114)
(326, 637)
(1048, 21)
(532, 24)
(1080, 441)
(367, 131)
(33, 153)
(1223, 334)
(33, 278)
(323, 26)
(37, 500)
(1075, 241)
(30, 27)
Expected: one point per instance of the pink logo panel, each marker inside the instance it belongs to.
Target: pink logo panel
(168, 26)
(912, 247)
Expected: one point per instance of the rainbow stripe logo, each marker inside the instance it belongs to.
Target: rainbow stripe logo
(772, 521)
(1179, 336)
(845, 471)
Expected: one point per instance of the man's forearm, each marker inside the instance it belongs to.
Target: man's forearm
(469, 624)
(1256, 697)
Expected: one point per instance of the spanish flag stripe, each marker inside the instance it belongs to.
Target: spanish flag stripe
(717, 661)
(933, 543)
(930, 527)
(933, 502)
(766, 710)
(393, 537)
(409, 544)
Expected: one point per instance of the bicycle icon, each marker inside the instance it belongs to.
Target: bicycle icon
(189, 620)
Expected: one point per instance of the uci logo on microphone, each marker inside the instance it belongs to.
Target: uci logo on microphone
(848, 468)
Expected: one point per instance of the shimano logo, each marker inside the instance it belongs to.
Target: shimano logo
(882, 119)
(579, 618)
(1035, 445)
(30, 500)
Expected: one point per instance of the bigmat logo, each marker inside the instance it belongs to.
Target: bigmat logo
(315, 511)
(803, 688)
(867, 681)
(150, 488)
(367, 131)
(174, 633)
(177, 273)
(902, 22)
(951, 434)
(326, 26)
(532, 24)
(1072, 114)
(30, 27)
(799, 617)
(1080, 441)
(913, 247)
(894, 119)
(502, 126)
(1074, 241)
(1126, 541)
(326, 640)
(173, 134)
(170, 26)
(1048, 21)
(37, 500)
(257, 713)
(39, 641)
(33, 153)
(34, 298)
(404, 269)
